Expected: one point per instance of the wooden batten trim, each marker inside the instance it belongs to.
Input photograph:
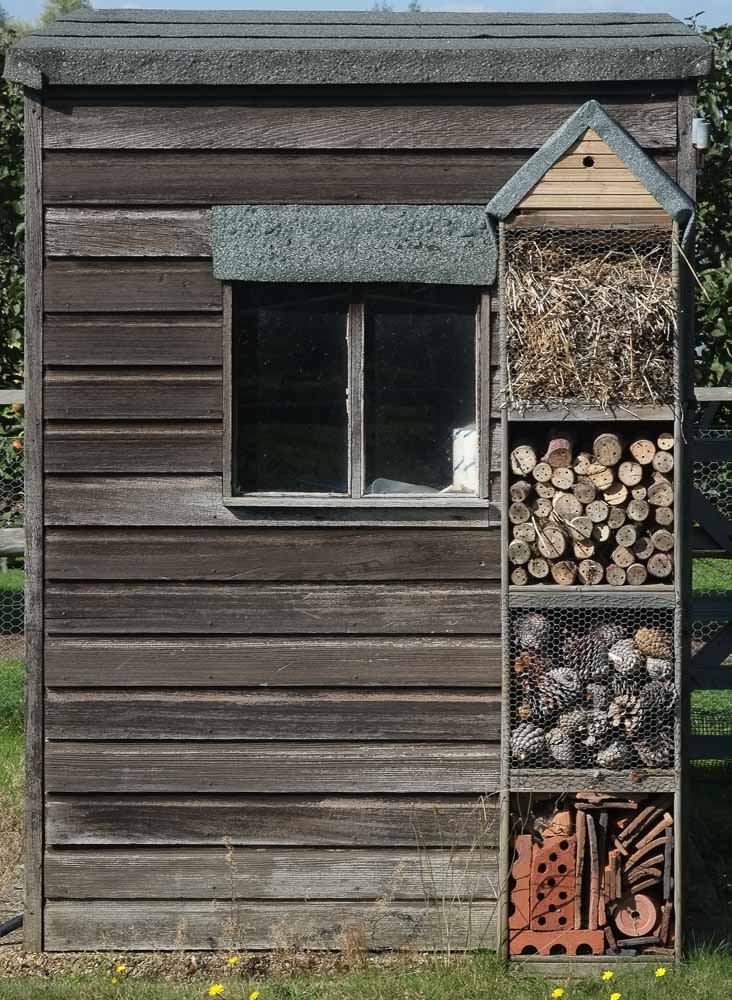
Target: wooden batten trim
(33, 937)
(612, 218)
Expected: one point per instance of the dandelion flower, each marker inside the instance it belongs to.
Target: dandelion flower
(216, 990)
(660, 973)
(254, 995)
(558, 992)
(607, 975)
(114, 979)
(120, 968)
(233, 960)
(615, 996)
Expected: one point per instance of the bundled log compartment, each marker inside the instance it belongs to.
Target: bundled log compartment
(590, 315)
(592, 873)
(591, 504)
(593, 687)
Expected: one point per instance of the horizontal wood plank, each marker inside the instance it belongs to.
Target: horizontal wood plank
(269, 715)
(492, 123)
(196, 178)
(157, 286)
(127, 232)
(106, 339)
(196, 501)
(218, 554)
(302, 768)
(251, 608)
(280, 820)
(589, 200)
(77, 447)
(192, 394)
(164, 926)
(272, 662)
(271, 873)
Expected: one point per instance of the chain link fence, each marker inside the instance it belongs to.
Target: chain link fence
(11, 532)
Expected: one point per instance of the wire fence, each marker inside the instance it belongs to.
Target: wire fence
(11, 532)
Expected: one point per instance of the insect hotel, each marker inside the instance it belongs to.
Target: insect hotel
(356, 359)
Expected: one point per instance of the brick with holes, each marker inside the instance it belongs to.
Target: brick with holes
(553, 884)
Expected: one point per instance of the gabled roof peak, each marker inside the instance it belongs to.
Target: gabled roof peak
(592, 115)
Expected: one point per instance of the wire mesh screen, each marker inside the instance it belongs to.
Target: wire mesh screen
(11, 533)
(592, 687)
(590, 315)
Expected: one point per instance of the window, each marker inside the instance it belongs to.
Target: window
(357, 395)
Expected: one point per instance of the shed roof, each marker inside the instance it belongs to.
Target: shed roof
(149, 47)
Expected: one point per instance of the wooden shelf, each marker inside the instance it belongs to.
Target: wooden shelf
(532, 779)
(552, 595)
(577, 410)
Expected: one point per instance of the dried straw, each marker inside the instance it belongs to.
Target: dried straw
(590, 316)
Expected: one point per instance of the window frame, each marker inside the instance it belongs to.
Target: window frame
(355, 410)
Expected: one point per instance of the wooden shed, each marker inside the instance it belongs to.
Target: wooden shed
(279, 436)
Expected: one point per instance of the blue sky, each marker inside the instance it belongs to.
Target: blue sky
(715, 11)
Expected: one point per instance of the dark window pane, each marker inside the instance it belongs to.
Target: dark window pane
(290, 371)
(419, 389)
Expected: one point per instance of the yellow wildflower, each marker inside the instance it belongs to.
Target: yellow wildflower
(114, 979)
(660, 973)
(607, 975)
(558, 992)
(254, 995)
(233, 960)
(615, 996)
(216, 990)
(120, 968)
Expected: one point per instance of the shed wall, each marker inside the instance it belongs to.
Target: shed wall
(305, 720)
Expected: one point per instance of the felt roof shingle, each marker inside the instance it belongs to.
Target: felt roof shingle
(206, 48)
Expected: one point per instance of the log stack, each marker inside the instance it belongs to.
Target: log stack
(600, 514)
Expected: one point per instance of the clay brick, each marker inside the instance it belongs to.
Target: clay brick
(553, 885)
(521, 892)
(557, 943)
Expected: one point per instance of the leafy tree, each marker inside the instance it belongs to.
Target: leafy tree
(55, 8)
(714, 215)
(11, 226)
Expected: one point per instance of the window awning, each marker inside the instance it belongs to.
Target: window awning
(434, 244)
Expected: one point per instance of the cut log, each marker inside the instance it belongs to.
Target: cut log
(630, 473)
(583, 550)
(639, 492)
(545, 490)
(538, 568)
(616, 495)
(665, 929)
(615, 575)
(660, 565)
(519, 552)
(518, 513)
(662, 539)
(636, 575)
(643, 548)
(567, 505)
(525, 532)
(520, 491)
(590, 572)
(551, 542)
(594, 872)
(563, 478)
(663, 461)
(583, 463)
(602, 479)
(625, 536)
(665, 440)
(584, 491)
(564, 573)
(637, 510)
(620, 556)
(542, 472)
(607, 449)
(542, 508)
(523, 460)
(665, 823)
(643, 451)
(519, 577)
(580, 527)
(616, 517)
(559, 451)
(601, 533)
(597, 511)
(664, 515)
(661, 492)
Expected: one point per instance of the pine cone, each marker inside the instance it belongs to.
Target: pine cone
(653, 642)
(598, 731)
(588, 656)
(560, 747)
(532, 630)
(626, 683)
(656, 753)
(616, 756)
(531, 662)
(608, 635)
(656, 702)
(625, 657)
(574, 723)
(626, 713)
(659, 668)
(528, 743)
(597, 696)
(558, 689)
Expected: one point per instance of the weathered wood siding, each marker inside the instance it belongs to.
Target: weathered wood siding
(305, 719)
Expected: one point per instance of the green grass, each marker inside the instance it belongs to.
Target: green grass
(707, 977)
(12, 581)
(712, 575)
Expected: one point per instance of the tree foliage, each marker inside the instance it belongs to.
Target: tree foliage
(714, 218)
(55, 8)
(11, 227)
